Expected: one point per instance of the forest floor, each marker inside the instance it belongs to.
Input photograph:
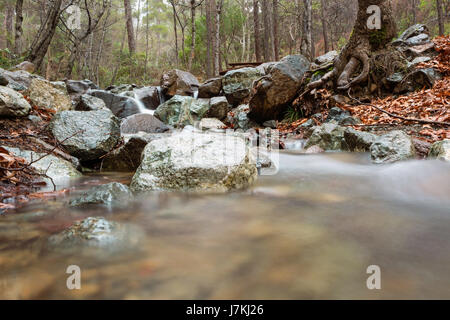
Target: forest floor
(430, 105)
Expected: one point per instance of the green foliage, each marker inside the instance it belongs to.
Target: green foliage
(293, 114)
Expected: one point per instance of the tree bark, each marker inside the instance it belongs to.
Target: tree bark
(18, 28)
(9, 16)
(275, 23)
(175, 29)
(257, 30)
(440, 17)
(361, 44)
(324, 25)
(193, 34)
(218, 12)
(129, 26)
(266, 21)
(209, 39)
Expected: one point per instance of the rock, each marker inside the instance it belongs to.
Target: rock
(427, 48)
(358, 141)
(391, 147)
(418, 60)
(25, 66)
(238, 118)
(307, 128)
(90, 103)
(12, 103)
(422, 148)
(177, 82)
(127, 158)
(263, 68)
(218, 108)
(237, 84)
(60, 170)
(441, 150)
(417, 80)
(108, 194)
(195, 162)
(149, 96)
(143, 122)
(211, 123)
(3, 80)
(120, 89)
(273, 124)
(182, 110)
(327, 58)
(79, 87)
(211, 88)
(314, 150)
(50, 96)
(18, 80)
(278, 88)
(121, 106)
(339, 99)
(96, 232)
(92, 133)
(418, 40)
(328, 136)
(413, 31)
(341, 117)
(395, 78)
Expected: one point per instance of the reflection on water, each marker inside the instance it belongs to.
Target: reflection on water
(309, 232)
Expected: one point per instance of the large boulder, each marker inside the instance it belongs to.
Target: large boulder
(143, 122)
(79, 87)
(177, 82)
(59, 170)
(328, 136)
(441, 150)
(108, 194)
(211, 88)
(52, 96)
(25, 66)
(182, 110)
(278, 88)
(238, 118)
(195, 162)
(12, 103)
(90, 103)
(86, 135)
(149, 96)
(18, 80)
(122, 106)
(417, 80)
(219, 108)
(237, 84)
(391, 147)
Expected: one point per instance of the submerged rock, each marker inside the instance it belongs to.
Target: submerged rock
(96, 232)
(108, 194)
(86, 135)
(12, 103)
(53, 96)
(120, 105)
(182, 110)
(391, 147)
(143, 122)
(177, 82)
(441, 150)
(58, 169)
(328, 136)
(237, 84)
(278, 87)
(211, 88)
(195, 162)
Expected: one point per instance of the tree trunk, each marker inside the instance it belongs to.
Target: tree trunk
(275, 23)
(9, 16)
(209, 36)
(129, 26)
(147, 30)
(414, 11)
(193, 35)
(324, 25)
(362, 43)
(18, 28)
(40, 46)
(266, 18)
(440, 17)
(175, 31)
(218, 13)
(138, 22)
(257, 30)
(307, 44)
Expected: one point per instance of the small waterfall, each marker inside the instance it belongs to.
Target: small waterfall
(162, 98)
(195, 95)
(141, 106)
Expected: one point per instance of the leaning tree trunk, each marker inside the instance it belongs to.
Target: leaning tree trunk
(362, 43)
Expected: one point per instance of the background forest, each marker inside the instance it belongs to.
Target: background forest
(134, 41)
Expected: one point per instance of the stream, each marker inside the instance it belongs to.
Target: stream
(308, 232)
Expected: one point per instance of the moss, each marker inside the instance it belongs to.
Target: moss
(378, 38)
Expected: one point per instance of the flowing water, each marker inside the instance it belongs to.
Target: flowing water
(308, 232)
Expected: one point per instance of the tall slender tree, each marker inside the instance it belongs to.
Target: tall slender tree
(18, 28)
(129, 26)
(257, 30)
(307, 42)
(266, 22)
(323, 10)
(218, 13)
(275, 23)
(440, 17)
